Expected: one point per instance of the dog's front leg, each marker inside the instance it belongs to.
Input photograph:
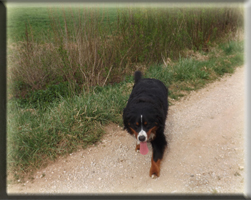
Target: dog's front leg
(137, 147)
(155, 168)
(158, 152)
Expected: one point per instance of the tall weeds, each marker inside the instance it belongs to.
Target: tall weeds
(166, 32)
(88, 49)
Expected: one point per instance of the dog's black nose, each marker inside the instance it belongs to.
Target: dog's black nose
(142, 138)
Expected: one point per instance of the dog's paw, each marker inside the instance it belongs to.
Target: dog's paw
(137, 148)
(154, 176)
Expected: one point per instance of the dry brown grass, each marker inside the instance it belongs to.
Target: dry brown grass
(84, 55)
(195, 55)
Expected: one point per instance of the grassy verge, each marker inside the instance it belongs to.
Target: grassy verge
(194, 72)
(64, 123)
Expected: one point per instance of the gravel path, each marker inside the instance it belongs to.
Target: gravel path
(205, 132)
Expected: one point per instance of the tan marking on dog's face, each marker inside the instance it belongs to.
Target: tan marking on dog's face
(150, 134)
(152, 131)
(134, 132)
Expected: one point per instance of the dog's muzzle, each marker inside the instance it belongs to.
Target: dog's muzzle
(142, 136)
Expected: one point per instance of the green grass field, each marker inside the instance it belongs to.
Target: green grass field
(68, 77)
(39, 18)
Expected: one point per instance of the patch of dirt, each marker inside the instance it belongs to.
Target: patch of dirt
(205, 132)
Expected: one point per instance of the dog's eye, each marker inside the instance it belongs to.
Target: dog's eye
(137, 123)
(145, 123)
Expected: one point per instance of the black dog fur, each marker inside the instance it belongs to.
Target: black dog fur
(149, 99)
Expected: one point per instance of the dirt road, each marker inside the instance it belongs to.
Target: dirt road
(205, 132)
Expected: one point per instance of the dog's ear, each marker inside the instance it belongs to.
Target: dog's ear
(160, 119)
(125, 127)
(125, 119)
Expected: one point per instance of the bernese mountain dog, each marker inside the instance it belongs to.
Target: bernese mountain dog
(144, 117)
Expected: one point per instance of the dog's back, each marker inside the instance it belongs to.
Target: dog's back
(149, 90)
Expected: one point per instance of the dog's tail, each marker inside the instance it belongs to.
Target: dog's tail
(137, 76)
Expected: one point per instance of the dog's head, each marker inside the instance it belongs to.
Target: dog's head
(143, 124)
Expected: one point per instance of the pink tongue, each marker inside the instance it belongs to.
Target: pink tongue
(143, 148)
